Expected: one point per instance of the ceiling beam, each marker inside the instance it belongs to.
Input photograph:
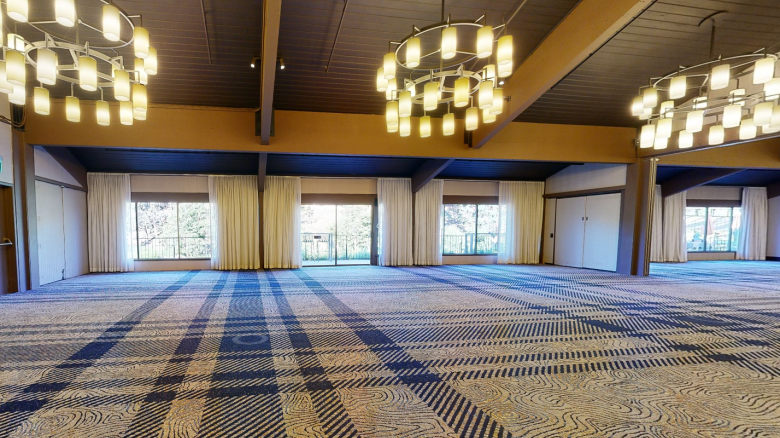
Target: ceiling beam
(584, 30)
(694, 178)
(262, 164)
(773, 190)
(427, 172)
(271, 17)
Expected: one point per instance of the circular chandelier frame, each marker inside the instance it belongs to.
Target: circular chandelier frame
(115, 62)
(442, 75)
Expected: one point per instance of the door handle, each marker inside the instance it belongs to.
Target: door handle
(6, 242)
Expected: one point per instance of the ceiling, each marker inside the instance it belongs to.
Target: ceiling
(746, 178)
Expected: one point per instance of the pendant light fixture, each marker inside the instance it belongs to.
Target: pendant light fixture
(391, 114)
(413, 53)
(449, 42)
(647, 136)
(485, 94)
(505, 70)
(720, 77)
(472, 118)
(18, 10)
(764, 70)
(405, 104)
(660, 143)
(498, 101)
(389, 65)
(685, 140)
(448, 124)
(392, 128)
(425, 126)
(102, 113)
(87, 73)
(462, 89)
(381, 82)
(41, 102)
(16, 42)
(695, 121)
(747, 130)
(140, 100)
(111, 23)
(18, 96)
(391, 91)
(126, 113)
(15, 68)
(717, 135)
(121, 85)
(505, 50)
(678, 87)
(663, 128)
(772, 89)
(650, 97)
(667, 109)
(484, 42)
(65, 12)
(141, 42)
(150, 63)
(637, 106)
(762, 113)
(732, 116)
(405, 126)
(431, 96)
(139, 115)
(487, 117)
(5, 86)
(47, 66)
(72, 109)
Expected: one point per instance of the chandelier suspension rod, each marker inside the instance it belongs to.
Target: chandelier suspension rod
(205, 29)
(338, 32)
(506, 22)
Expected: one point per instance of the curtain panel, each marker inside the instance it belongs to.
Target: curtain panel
(657, 226)
(428, 204)
(395, 221)
(108, 222)
(521, 206)
(235, 222)
(674, 245)
(753, 228)
(282, 222)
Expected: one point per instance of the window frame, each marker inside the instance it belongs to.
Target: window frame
(707, 225)
(476, 228)
(178, 233)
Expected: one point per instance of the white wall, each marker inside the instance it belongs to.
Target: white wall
(470, 188)
(773, 229)
(169, 184)
(586, 177)
(171, 265)
(75, 226)
(48, 167)
(6, 142)
(341, 186)
(715, 193)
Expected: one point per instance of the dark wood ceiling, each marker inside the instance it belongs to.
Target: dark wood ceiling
(746, 178)
(662, 38)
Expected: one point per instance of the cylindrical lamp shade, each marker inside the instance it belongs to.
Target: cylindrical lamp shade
(448, 124)
(126, 113)
(685, 140)
(487, 117)
(391, 114)
(388, 65)
(141, 42)
(18, 10)
(772, 89)
(449, 42)
(431, 96)
(143, 78)
(405, 104)
(747, 130)
(462, 89)
(717, 135)
(405, 126)
(425, 126)
(485, 94)
(737, 97)
(413, 52)
(732, 116)
(41, 101)
(14, 68)
(660, 143)
(720, 77)
(490, 71)
(667, 109)
(140, 101)
(139, 115)
(5, 86)
(121, 85)
(764, 70)
(637, 106)
(650, 97)
(87, 73)
(505, 70)
(150, 63)
(485, 42)
(18, 96)
(381, 82)
(65, 12)
(646, 114)
(390, 92)
(47, 66)
(102, 113)
(72, 109)
(695, 121)
(111, 23)
(498, 101)
(504, 55)
(472, 118)
(392, 128)
(775, 116)
(762, 113)
(700, 103)
(770, 129)
(678, 86)
(647, 136)
(664, 128)
(16, 42)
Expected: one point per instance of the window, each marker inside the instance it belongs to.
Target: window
(712, 229)
(470, 229)
(171, 230)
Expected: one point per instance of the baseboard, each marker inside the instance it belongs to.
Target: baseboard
(772, 259)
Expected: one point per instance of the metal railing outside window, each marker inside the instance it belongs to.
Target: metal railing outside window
(160, 231)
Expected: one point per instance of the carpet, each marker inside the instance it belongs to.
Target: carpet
(455, 351)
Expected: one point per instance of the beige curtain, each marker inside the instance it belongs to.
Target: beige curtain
(753, 227)
(108, 222)
(521, 206)
(235, 222)
(395, 221)
(657, 235)
(674, 245)
(282, 222)
(427, 223)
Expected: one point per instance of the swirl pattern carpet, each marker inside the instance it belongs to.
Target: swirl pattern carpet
(467, 351)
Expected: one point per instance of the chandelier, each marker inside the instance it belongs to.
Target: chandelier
(71, 59)
(445, 77)
(738, 92)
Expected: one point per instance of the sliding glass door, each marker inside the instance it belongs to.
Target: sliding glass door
(335, 234)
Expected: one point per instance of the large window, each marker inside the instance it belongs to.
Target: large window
(712, 229)
(470, 229)
(171, 230)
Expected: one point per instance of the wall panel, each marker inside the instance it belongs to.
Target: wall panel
(586, 177)
(51, 233)
(74, 204)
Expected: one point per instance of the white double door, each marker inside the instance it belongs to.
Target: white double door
(587, 231)
(62, 232)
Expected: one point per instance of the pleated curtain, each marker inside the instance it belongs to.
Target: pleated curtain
(235, 222)
(753, 229)
(395, 221)
(427, 223)
(521, 206)
(282, 222)
(657, 224)
(674, 246)
(108, 222)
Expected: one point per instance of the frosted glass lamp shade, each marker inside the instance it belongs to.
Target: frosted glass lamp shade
(431, 96)
(505, 70)
(747, 130)
(678, 86)
(650, 97)
(381, 82)
(72, 109)
(685, 140)
(413, 52)
(411, 89)
(16, 42)
(485, 42)
(448, 124)
(449, 42)
(762, 113)
(87, 73)
(405, 126)
(126, 113)
(663, 128)
(139, 115)
(14, 67)
(5, 86)
(388, 65)
(485, 94)
(390, 92)
(47, 66)
(391, 113)
(392, 128)
(647, 136)
(141, 42)
(41, 101)
(65, 12)
(150, 63)
(425, 126)
(504, 54)
(143, 77)
(764, 70)
(770, 129)
(405, 104)
(700, 102)
(646, 114)
(775, 121)
(737, 97)
(18, 10)
(637, 107)
(660, 143)
(667, 109)
(462, 89)
(717, 135)
(720, 77)
(498, 101)
(102, 113)
(772, 89)
(487, 117)
(121, 85)
(490, 71)
(695, 121)
(472, 118)
(18, 96)
(140, 101)
(111, 23)
(732, 116)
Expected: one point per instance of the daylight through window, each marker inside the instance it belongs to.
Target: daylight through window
(171, 230)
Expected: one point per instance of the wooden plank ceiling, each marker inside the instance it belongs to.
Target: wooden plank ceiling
(662, 38)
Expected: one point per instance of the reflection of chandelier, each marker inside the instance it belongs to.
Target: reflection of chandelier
(446, 79)
(737, 92)
(129, 85)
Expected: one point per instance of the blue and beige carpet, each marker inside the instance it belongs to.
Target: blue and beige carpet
(472, 351)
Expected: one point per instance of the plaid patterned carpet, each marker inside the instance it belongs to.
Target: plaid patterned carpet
(471, 351)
